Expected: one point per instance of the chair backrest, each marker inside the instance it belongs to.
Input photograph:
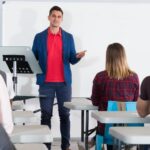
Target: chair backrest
(112, 106)
(131, 106)
(117, 106)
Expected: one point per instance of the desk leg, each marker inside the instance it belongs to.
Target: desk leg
(115, 143)
(82, 125)
(119, 144)
(87, 128)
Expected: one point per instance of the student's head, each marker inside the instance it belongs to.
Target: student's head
(55, 16)
(116, 62)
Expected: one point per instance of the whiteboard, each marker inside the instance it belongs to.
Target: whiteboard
(94, 25)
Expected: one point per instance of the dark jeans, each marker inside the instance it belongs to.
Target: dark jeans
(63, 94)
(145, 147)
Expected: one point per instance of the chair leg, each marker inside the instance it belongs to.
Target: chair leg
(99, 142)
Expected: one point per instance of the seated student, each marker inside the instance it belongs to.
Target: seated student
(5, 108)
(143, 103)
(117, 82)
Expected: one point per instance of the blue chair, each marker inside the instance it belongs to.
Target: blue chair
(131, 106)
(107, 138)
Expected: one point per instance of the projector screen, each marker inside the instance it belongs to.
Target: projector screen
(94, 25)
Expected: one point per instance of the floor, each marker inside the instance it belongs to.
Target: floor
(74, 145)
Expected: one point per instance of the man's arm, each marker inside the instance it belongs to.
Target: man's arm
(143, 107)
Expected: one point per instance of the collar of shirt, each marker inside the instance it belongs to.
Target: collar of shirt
(58, 33)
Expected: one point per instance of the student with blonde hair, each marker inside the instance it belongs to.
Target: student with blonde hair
(117, 82)
(55, 50)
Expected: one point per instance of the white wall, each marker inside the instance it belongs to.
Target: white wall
(94, 26)
(112, 1)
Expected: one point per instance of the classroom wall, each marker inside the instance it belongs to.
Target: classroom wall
(94, 25)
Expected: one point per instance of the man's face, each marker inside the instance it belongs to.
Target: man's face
(55, 18)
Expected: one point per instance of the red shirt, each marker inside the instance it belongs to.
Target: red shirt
(55, 71)
(105, 88)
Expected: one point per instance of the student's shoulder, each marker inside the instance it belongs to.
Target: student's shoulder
(133, 77)
(100, 77)
(101, 74)
(146, 80)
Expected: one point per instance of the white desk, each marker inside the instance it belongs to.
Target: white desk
(119, 117)
(24, 117)
(130, 135)
(82, 104)
(30, 147)
(31, 134)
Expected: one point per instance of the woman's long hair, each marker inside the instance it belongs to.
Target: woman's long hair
(116, 62)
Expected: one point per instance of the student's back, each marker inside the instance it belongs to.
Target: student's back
(106, 88)
(117, 82)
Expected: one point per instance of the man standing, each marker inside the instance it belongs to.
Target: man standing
(54, 48)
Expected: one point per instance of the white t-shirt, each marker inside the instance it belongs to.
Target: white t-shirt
(5, 108)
